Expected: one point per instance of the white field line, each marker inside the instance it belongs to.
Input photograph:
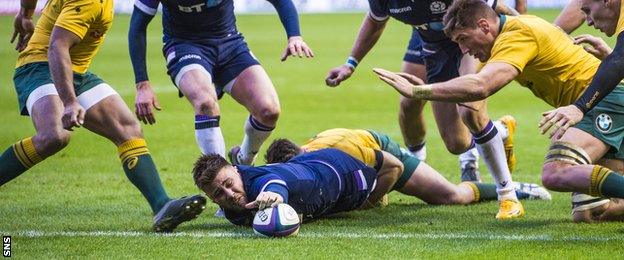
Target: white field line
(440, 236)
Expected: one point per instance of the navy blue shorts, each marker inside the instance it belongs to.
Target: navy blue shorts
(414, 49)
(442, 60)
(223, 58)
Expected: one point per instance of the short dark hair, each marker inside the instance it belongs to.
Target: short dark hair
(281, 150)
(465, 14)
(206, 168)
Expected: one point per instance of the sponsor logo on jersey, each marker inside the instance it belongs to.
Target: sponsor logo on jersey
(437, 7)
(604, 123)
(190, 56)
(191, 9)
(400, 10)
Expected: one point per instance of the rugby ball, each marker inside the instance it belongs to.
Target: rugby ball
(279, 221)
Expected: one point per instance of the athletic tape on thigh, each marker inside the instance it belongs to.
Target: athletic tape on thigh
(567, 152)
(94, 95)
(188, 68)
(38, 93)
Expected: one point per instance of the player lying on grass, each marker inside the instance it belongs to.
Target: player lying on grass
(544, 59)
(417, 179)
(206, 57)
(315, 184)
(56, 89)
(463, 128)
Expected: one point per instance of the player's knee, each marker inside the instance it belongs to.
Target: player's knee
(132, 128)
(206, 106)
(54, 140)
(268, 115)
(455, 148)
(553, 175)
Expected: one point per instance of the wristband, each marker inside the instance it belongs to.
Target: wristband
(352, 62)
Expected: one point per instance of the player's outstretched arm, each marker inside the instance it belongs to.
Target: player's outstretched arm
(145, 100)
(609, 74)
(571, 17)
(472, 87)
(23, 26)
(290, 19)
(370, 31)
(266, 199)
(387, 176)
(60, 64)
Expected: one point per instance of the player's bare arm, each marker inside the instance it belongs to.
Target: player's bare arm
(264, 200)
(571, 17)
(502, 8)
(296, 46)
(145, 100)
(387, 176)
(61, 69)
(467, 88)
(370, 32)
(23, 26)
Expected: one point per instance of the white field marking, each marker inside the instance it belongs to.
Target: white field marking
(440, 236)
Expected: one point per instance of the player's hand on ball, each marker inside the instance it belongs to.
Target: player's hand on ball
(144, 102)
(402, 82)
(264, 200)
(23, 28)
(337, 75)
(73, 116)
(297, 47)
(595, 45)
(559, 120)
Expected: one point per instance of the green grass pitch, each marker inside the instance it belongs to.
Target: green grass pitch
(80, 204)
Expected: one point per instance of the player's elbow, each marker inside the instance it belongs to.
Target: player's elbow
(479, 88)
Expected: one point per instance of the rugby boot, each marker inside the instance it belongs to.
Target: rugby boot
(177, 211)
(233, 155)
(531, 191)
(470, 172)
(509, 209)
(510, 123)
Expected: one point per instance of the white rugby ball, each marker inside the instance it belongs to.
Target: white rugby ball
(279, 221)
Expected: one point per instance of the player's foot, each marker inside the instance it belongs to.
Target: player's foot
(509, 209)
(177, 211)
(470, 172)
(531, 191)
(510, 123)
(233, 155)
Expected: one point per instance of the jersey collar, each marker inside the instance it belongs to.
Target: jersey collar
(502, 20)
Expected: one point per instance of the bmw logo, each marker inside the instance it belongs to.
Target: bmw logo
(604, 123)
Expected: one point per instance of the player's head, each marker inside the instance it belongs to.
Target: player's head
(220, 181)
(281, 150)
(602, 14)
(473, 25)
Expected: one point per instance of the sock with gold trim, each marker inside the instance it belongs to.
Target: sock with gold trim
(482, 191)
(18, 158)
(141, 171)
(606, 183)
